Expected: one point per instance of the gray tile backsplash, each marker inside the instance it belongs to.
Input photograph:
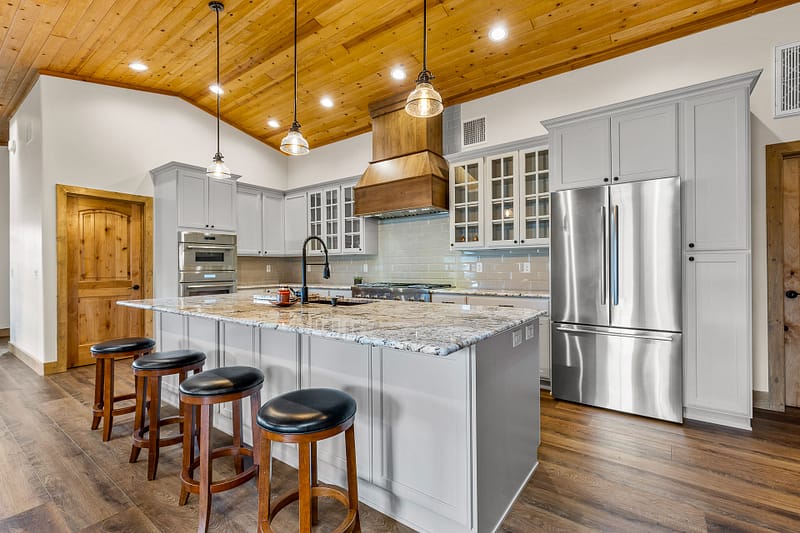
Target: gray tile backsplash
(414, 249)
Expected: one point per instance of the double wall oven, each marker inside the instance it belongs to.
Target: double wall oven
(206, 263)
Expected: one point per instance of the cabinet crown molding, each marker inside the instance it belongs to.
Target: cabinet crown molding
(746, 79)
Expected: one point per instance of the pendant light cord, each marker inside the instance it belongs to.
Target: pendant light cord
(218, 87)
(294, 123)
(424, 35)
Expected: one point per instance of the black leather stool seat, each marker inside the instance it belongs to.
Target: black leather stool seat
(225, 380)
(306, 411)
(123, 345)
(168, 360)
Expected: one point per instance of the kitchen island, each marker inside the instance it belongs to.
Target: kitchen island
(447, 427)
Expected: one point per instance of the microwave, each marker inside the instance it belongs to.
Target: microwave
(203, 252)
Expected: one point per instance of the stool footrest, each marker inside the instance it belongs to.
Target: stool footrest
(193, 486)
(316, 492)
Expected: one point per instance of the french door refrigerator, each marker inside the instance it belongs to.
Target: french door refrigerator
(615, 270)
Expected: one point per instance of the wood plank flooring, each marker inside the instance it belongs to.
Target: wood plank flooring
(598, 471)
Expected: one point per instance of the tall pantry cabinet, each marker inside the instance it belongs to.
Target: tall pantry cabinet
(702, 134)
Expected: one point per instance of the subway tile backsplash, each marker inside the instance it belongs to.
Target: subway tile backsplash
(413, 249)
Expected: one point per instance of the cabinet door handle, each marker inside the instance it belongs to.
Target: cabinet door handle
(616, 178)
(691, 245)
(691, 259)
(791, 294)
(605, 180)
(135, 287)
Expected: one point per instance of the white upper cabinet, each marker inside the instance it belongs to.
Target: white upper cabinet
(716, 185)
(260, 221)
(644, 144)
(501, 201)
(625, 146)
(330, 215)
(581, 154)
(295, 215)
(205, 203)
(466, 198)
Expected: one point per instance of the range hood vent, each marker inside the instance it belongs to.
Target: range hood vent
(408, 175)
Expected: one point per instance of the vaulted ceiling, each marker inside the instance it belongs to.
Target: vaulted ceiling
(346, 49)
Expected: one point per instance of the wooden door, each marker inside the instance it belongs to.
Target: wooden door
(105, 263)
(791, 277)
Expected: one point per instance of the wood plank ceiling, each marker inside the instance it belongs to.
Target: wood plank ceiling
(346, 49)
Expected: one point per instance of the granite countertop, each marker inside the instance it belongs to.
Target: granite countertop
(517, 293)
(436, 329)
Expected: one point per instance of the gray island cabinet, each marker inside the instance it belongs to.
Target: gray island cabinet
(447, 428)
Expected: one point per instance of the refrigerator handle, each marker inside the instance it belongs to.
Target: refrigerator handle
(649, 336)
(615, 256)
(603, 260)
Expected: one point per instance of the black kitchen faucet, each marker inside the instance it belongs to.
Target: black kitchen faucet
(326, 271)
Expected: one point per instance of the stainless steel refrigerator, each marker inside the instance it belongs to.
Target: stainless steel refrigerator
(615, 270)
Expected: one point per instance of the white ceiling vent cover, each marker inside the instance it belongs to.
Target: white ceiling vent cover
(474, 131)
(787, 80)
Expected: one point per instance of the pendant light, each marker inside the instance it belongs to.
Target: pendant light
(424, 101)
(217, 169)
(294, 143)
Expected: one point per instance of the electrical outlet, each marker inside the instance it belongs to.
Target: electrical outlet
(530, 331)
(365, 267)
(478, 267)
(525, 267)
(516, 338)
(308, 268)
(269, 268)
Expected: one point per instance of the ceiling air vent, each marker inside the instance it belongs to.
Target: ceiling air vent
(474, 131)
(787, 80)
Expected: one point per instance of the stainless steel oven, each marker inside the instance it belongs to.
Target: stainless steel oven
(206, 263)
(207, 283)
(203, 252)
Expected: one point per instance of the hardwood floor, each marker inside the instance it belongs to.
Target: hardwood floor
(599, 471)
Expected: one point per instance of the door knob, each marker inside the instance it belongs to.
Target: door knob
(791, 294)
(135, 288)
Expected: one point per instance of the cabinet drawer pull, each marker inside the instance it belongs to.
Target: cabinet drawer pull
(505, 305)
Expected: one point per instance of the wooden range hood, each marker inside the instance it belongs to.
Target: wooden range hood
(408, 175)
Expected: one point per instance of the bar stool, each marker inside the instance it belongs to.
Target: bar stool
(201, 392)
(105, 354)
(306, 417)
(148, 371)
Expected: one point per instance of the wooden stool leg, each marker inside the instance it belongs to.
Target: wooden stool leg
(98, 392)
(264, 472)
(188, 449)
(304, 487)
(108, 399)
(181, 407)
(205, 467)
(255, 405)
(154, 435)
(138, 417)
(352, 475)
(314, 483)
(237, 435)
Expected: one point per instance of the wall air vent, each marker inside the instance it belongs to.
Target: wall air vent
(787, 80)
(473, 131)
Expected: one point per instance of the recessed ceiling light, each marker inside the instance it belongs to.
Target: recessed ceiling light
(272, 123)
(398, 73)
(216, 89)
(138, 66)
(327, 102)
(498, 33)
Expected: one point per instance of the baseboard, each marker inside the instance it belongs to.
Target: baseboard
(761, 400)
(35, 365)
(5, 332)
(716, 417)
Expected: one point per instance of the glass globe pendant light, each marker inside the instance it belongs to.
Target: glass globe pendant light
(217, 169)
(294, 143)
(424, 101)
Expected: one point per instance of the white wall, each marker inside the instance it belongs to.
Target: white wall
(731, 49)
(25, 226)
(4, 205)
(106, 138)
(343, 159)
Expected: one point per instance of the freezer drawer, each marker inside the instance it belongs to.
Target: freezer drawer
(634, 371)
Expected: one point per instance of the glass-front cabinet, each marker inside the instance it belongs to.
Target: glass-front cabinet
(331, 217)
(535, 196)
(501, 201)
(466, 180)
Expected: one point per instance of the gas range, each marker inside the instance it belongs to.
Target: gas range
(414, 292)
